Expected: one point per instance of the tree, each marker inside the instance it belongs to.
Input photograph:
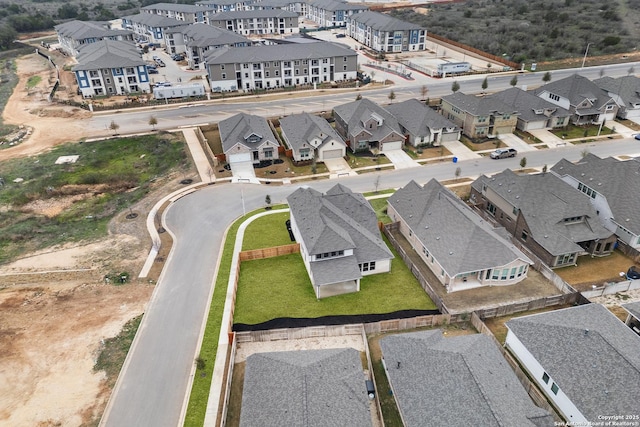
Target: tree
(114, 127)
(7, 35)
(584, 153)
(514, 81)
(392, 96)
(314, 166)
(67, 11)
(546, 77)
(358, 97)
(544, 169)
(153, 122)
(423, 91)
(523, 162)
(455, 86)
(485, 84)
(267, 201)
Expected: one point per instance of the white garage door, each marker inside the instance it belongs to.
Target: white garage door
(240, 157)
(332, 154)
(396, 145)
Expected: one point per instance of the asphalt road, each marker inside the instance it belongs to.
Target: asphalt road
(213, 111)
(155, 378)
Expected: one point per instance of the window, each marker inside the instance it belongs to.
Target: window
(368, 266)
(222, 66)
(344, 68)
(495, 274)
(554, 388)
(491, 208)
(524, 235)
(425, 252)
(521, 270)
(224, 76)
(554, 97)
(513, 273)
(504, 275)
(277, 73)
(130, 71)
(545, 378)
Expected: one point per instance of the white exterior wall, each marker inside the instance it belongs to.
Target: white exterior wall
(382, 266)
(223, 85)
(562, 102)
(561, 401)
(333, 145)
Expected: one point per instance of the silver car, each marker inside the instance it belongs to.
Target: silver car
(502, 153)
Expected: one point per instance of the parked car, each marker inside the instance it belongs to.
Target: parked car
(502, 153)
(160, 63)
(177, 57)
(633, 273)
(153, 71)
(637, 136)
(340, 36)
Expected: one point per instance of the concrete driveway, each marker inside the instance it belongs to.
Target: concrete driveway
(338, 167)
(400, 159)
(243, 172)
(514, 142)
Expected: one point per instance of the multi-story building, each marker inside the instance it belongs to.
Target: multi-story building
(267, 21)
(298, 6)
(73, 35)
(111, 67)
(182, 12)
(384, 33)
(217, 6)
(150, 27)
(479, 116)
(332, 13)
(264, 67)
(197, 40)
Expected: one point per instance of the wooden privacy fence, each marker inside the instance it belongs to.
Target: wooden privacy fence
(275, 251)
(519, 307)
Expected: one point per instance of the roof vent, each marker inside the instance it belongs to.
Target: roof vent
(438, 238)
(426, 227)
(517, 197)
(450, 252)
(586, 332)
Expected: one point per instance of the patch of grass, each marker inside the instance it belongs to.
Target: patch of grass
(33, 81)
(376, 193)
(574, 132)
(108, 177)
(380, 206)
(390, 413)
(8, 81)
(114, 351)
(280, 287)
(266, 232)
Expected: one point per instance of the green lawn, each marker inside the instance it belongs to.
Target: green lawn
(280, 287)
(266, 232)
(573, 132)
(380, 206)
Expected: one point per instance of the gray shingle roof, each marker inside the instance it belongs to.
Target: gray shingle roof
(175, 7)
(153, 20)
(214, 3)
(81, 30)
(108, 54)
(355, 113)
(256, 13)
(591, 355)
(314, 388)
(419, 119)
(287, 52)
(460, 240)
(616, 180)
(204, 35)
(236, 129)
(299, 129)
(334, 5)
(337, 220)
(576, 89)
(479, 105)
(273, 3)
(545, 201)
(382, 22)
(529, 107)
(456, 381)
(633, 308)
(626, 87)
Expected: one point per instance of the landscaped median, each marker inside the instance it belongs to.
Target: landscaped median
(280, 287)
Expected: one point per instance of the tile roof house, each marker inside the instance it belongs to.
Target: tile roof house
(111, 67)
(257, 21)
(547, 215)
(311, 137)
(456, 381)
(421, 125)
(533, 112)
(625, 91)
(367, 126)
(586, 102)
(583, 358)
(339, 238)
(479, 116)
(182, 12)
(75, 34)
(314, 388)
(332, 13)
(247, 138)
(150, 27)
(461, 249)
(610, 185)
(196, 40)
(384, 33)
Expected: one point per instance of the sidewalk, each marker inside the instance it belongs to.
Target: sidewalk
(199, 158)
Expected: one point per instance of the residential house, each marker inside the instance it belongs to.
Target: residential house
(297, 6)
(583, 358)
(547, 215)
(339, 238)
(461, 249)
(150, 27)
(313, 388)
(533, 112)
(479, 116)
(384, 33)
(196, 40)
(633, 316)
(367, 126)
(273, 66)
(111, 67)
(257, 22)
(332, 13)
(217, 6)
(311, 137)
(455, 381)
(586, 102)
(75, 34)
(247, 138)
(182, 12)
(626, 92)
(421, 125)
(611, 185)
